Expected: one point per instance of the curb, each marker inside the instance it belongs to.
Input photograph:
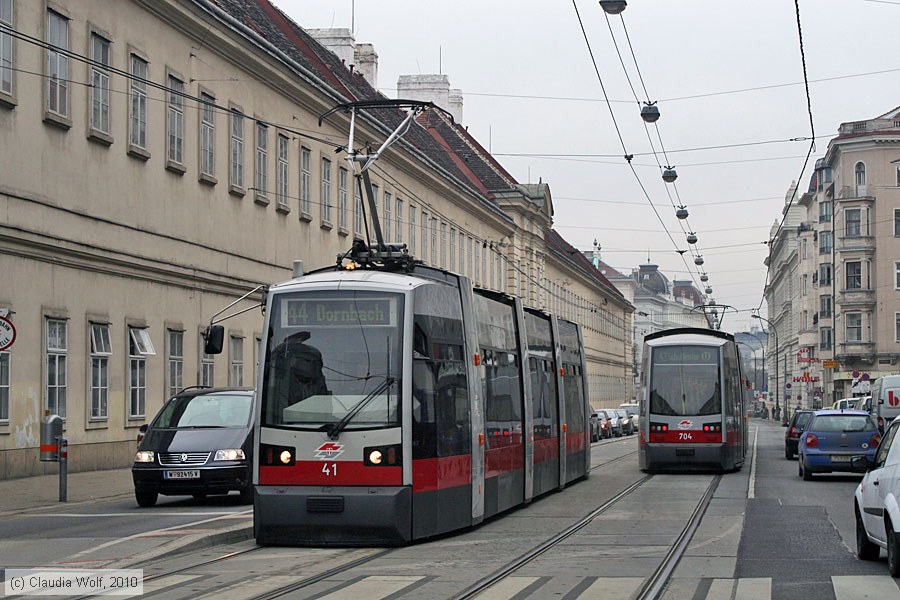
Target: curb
(188, 543)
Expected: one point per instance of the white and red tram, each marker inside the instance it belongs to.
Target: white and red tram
(394, 406)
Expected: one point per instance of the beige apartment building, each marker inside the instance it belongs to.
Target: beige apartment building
(847, 300)
(161, 158)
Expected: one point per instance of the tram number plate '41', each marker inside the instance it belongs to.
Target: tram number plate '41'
(330, 469)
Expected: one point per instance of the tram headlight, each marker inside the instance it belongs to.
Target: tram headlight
(383, 456)
(271, 455)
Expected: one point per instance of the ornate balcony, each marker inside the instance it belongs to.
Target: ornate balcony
(855, 298)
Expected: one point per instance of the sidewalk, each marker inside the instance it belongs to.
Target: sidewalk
(43, 490)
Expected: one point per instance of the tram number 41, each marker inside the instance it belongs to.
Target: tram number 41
(330, 469)
(685, 436)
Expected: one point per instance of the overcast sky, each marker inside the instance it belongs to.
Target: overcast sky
(723, 73)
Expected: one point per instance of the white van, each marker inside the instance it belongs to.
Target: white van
(886, 399)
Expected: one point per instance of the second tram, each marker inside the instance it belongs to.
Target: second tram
(692, 407)
(394, 406)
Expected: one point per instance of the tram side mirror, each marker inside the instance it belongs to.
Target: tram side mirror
(214, 337)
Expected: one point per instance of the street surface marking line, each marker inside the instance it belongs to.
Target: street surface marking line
(373, 587)
(751, 491)
(857, 587)
(147, 534)
(612, 588)
(753, 588)
(507, 588)
(135, 514)
(720, 589)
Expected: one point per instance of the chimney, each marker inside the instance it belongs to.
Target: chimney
(367, 63)
(339, 41)
(431, 88)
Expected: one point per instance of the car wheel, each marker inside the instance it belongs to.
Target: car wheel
(247, 495)
(865, 549)
(145, 499)
(807, 476)
(893, 551)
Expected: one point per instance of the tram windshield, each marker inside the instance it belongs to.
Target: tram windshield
(331, 354)
(684, 381)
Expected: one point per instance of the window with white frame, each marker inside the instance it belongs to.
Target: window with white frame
(825, 306)
(281, 170)
(825, 274)
(443, 245)
(398, 235)
(237, 150)
(824, 242)
(99, 84)
(853, 275)
(137, 121)
(6, 47)
(57, 348)
(207, 135)
(804, 319)
(462, 252)
(236, 372)
(897, 275)
(897, 222)
(139, 348)
(469, 268)
(101, 350)
(825, 209)
(175, 121)
(262, 159)
(305, 175)
(207, 368)
(854, 326)
(852, 222)
(4, 386)
(453, 248)
(434, 241)
(174, 361)
(343, 177)
(413, 225)
(57, 64)
(326, 190)
(896, 329)
(424, 226)
(804, 281)
(860, 172)
(501, 283)
(484, 270)
(388, 216)
(493, 275)
(477, 272)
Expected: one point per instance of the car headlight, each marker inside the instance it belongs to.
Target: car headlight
(144, 456)
(229, 454)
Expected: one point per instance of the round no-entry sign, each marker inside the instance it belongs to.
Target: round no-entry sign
(7, 333)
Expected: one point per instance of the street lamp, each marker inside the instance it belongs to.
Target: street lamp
(775, 331)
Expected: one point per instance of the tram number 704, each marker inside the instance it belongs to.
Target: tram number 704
(330, 469)
(685, 436)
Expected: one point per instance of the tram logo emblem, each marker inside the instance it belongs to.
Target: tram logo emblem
(329, 451)
(685, 424)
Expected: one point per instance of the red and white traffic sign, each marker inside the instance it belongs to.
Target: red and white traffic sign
(7, 333)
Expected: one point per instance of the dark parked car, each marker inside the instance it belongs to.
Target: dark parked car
(200, 443)
(626, 421)
(832, 438)
(792, 436)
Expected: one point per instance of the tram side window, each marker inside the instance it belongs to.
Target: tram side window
(574, 398)
(543, 390)
(440, 390)
(503, 415)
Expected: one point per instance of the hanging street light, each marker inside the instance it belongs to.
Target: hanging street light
(650, 113)
(613, 7)
(682, 212)
(692, 238)
(698, 261)
(708, 290)
(669, 175)
(704, 277)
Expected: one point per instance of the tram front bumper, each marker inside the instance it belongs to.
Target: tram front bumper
(332, 516)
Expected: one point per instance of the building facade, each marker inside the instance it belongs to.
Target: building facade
(162, 158)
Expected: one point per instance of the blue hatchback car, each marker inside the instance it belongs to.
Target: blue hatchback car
(832, 438)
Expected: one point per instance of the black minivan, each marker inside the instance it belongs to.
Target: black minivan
(200, 443)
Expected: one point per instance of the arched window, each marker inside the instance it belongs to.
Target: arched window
(860, 179)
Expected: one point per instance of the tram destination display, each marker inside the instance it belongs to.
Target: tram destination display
(330, 312)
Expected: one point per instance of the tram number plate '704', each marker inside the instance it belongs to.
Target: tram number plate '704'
(330, 469)
(685, 436)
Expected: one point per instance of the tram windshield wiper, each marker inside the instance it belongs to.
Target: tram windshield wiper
(334, 429)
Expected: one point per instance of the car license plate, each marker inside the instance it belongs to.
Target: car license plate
(182, 474)
(840, 458)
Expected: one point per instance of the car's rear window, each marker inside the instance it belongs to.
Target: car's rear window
(208, 410)
(843, 423)
(802, 419)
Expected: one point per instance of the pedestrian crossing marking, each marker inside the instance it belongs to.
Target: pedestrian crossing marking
(375, 586)
(612, 588)
(721, 589)
(506, 588)
(882, 587)
(753, 588)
